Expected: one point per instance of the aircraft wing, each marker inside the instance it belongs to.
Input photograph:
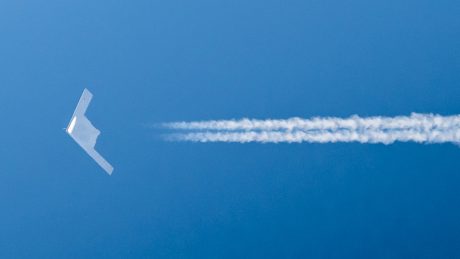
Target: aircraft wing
(100, 160)
(84, 133)
(83, 103)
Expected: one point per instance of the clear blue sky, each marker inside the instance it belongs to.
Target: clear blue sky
(151, 61)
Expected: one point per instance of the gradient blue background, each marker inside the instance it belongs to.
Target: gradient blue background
(154, 61)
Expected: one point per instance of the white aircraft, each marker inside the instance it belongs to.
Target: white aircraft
(84, 133)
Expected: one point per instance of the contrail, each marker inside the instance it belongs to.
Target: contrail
(420, 128)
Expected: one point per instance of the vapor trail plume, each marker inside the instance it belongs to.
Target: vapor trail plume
(420, 128)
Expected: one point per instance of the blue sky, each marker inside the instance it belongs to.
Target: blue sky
(154, 61)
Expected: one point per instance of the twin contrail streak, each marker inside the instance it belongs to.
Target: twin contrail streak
(420, 128)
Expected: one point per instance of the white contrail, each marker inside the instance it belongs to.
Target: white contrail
(354, 122)
(420, 128)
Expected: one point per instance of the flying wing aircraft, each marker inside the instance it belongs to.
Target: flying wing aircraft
(84, 133)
